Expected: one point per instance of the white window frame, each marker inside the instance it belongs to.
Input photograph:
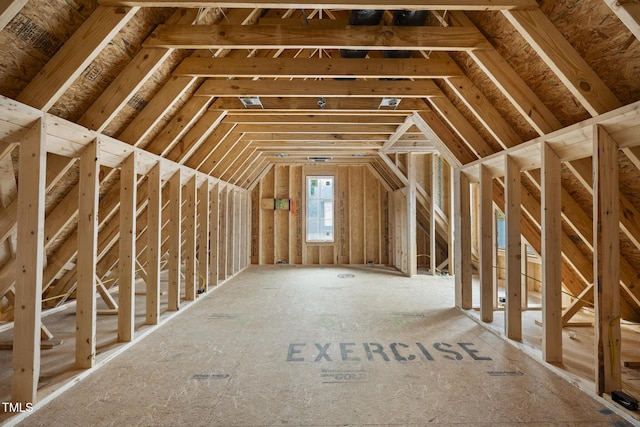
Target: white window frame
(307, 183)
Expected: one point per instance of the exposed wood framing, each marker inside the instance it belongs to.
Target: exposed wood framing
(154, 244)
(301, 37)
(127, 264)
(412, 251)
(223, 232)
(563, 59)
(8, 10)
(214, 223)
(435, 185)
(312, 68)
(338, 88)
(331, 4)
(130, 80)
(463, 240)
(74, 56)
(513, 309)
(511, 84)
(87, 252)
(203, 237)
(189, 195)
(629, 14)
(606, 255)
(175, 241)
(197, 132)
(486, 245)
(30, 251)
(551, 257)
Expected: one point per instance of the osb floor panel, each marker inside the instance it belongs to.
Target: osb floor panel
(304, 346)
(578, 342)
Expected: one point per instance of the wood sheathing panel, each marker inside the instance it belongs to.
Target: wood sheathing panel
(361, 230)
(599, 36)
(146, 93)
(628, 181)
(109, 63)
(496, 97)
(33, 36)
(526, 62)
(171, 113)
(159, 78)
(468, 115)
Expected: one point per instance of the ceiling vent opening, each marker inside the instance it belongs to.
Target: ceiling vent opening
(319, 159)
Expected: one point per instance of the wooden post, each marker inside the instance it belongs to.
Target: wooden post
(412, 246)
(432, 214)
(606, 262)
(486, 244)
(231, 220)
(175, 240)
(451, 228)
(222, 235)
(203, 236)
(247, 233)
(29, 263)
(463, 240)
(88, 198)
(524, 280)
(190, 240)
(214, 218)
(513, 306)
(127, 281)
(240, 207)
(496, 270)
(154, 244)
(551, 256)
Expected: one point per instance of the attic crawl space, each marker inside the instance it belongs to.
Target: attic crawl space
(178, 145)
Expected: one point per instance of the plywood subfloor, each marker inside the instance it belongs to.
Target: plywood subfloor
(310, 346)
(578, 363)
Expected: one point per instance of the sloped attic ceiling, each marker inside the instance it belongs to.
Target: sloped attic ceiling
(168, 76)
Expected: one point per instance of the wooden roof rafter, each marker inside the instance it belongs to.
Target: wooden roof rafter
(629, 14)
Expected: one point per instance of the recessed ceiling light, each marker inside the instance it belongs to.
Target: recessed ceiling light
(251, 101)
(389, 103)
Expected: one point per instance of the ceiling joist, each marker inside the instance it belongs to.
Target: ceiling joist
(312, 105)
(303, 37)
(264, 118)
(315, 68)
(335, 4)
(315, 88)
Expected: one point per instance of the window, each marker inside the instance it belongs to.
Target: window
(319, 209)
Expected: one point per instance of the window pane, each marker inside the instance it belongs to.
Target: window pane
(313, 190)
(313, 209)
(313, 229)
(328, 213)
(320, 206)
(326, 189)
